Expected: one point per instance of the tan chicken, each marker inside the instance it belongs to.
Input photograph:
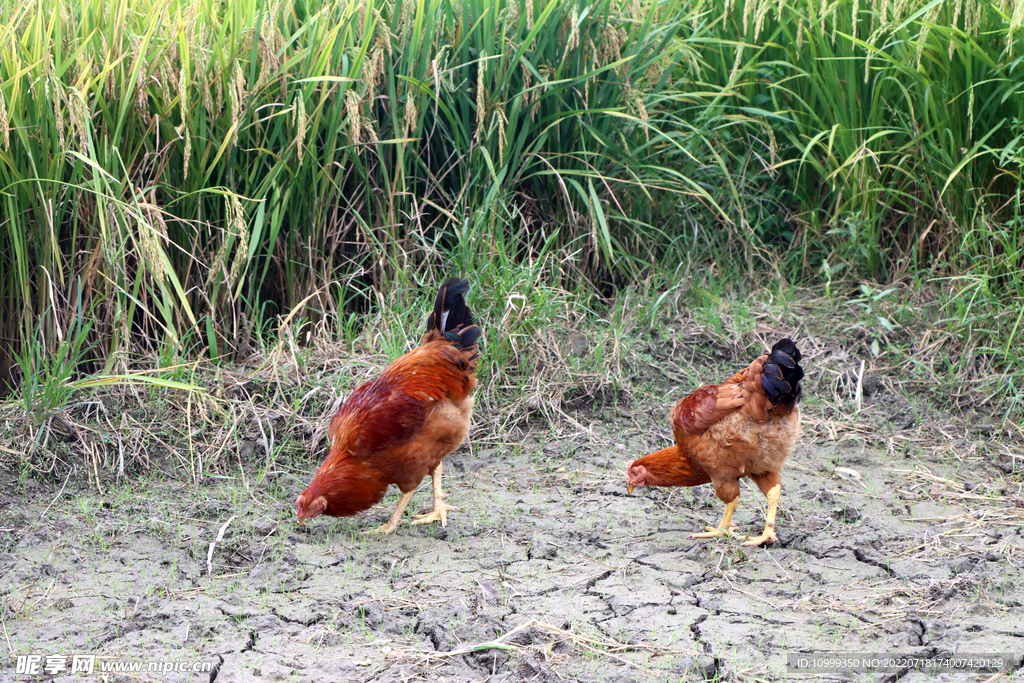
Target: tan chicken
(746, 427)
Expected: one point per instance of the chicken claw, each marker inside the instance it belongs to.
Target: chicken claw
(769, 524)
(438, 514)
(396, 516)
(768, 537)
(716, 532)
(725, 527)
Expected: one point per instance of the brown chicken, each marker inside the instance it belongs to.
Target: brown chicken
(746, 427)
(398, 428)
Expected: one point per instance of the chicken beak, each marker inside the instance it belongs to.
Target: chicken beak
(629, 489)
(302, 521)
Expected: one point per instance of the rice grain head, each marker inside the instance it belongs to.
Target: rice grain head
(79, 120)
(528, 95)
(183, 87)
(1016, 20)
(384, 35)
(926, 27)
(975, 17)
(219, 261)
(405, 22)
(301, 122)
(369, 130)
(54, 91)
(373, 69)
(5, 124)
(499, 114)
(687, 55)
(736, 64)
(867, 57)
(411, 115)
(547, 73)
(761, 13)
(957, 8)
(512, 14)
(442, 76)
(237, 226)
(151, 228)
(184, 133)
(609, 47)
(172, 77)
(218, 93)
(898, 9)
(834, 13)
(637, 107)
(970, 116)
(234, 105)
(481, 99)
(141, 96)
(773, 145)
(237, 94)
(354, 116)
(572, 28)
(110, 84)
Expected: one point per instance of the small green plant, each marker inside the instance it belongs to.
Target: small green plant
(46, 377)
(872, 302)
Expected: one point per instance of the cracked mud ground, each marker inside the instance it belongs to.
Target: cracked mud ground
(887, 543)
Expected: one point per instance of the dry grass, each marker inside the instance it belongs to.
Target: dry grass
(643, 354)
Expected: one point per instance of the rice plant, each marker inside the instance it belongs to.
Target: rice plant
(894, 126)
(198, 174)
(192, 170)
(892, 147)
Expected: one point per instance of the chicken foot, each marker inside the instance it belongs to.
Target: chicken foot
(396, 516)
(725, 527)
(773, 494)
(438, 514)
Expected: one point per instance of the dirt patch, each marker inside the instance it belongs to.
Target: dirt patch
(901, 529)
(549, 572)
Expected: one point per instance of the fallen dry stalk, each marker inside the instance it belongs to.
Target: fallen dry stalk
(860, 384)
(59, 494)
(7, 637)
(209, 554)
(596, 646)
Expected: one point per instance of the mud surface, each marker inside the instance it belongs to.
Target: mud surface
(906, 538)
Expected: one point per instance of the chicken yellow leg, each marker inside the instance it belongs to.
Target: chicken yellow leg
(396, 516)
(725, 526)
(769, 518)
(438, 514)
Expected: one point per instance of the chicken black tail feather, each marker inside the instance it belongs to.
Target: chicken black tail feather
(781, 375)
(451, 316)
